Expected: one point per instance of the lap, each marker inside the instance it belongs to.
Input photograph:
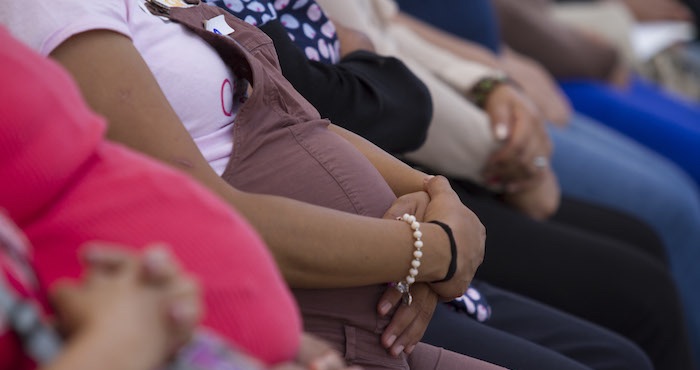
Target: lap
(523, 334)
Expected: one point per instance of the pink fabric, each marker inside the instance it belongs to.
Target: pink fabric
(64, 186)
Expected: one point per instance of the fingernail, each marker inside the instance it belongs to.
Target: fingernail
(92, 254)
(501, 131)
(155, 258)
(391, 340)
(384, 308)
(182, 312)
(397, 350)
(427, 178)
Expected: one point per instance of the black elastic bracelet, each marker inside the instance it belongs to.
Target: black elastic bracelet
(453, 250)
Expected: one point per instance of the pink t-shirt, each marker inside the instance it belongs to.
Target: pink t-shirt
(206, 104)
(64, 185)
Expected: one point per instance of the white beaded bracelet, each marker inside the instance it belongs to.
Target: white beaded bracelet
(405, 286)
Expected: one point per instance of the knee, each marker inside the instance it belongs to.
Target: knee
(659, 307)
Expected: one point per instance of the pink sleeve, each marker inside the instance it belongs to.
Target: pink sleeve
(44, 25)
(69, 186)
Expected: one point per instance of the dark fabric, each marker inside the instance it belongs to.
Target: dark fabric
(365, 93)
(609, 282)
(473, 20)
(473, 304)
(532, 336)
(694, 6)
(609, 223)
(598, 220)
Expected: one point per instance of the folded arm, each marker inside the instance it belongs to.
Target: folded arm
(360, 79)
(118, 84)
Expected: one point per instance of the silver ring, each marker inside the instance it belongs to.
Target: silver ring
(540, 162)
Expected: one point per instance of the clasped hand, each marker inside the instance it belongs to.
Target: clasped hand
(437, 202)
(521, 131)
(142, 303)
(521, 166)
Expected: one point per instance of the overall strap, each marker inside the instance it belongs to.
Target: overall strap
(194, 18)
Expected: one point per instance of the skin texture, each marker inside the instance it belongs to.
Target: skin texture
(408, 323)
(526, 137)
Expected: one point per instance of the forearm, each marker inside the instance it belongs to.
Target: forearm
(322, 248)
(402, 179)
(314, 247)
(364, 250)
(317, 247)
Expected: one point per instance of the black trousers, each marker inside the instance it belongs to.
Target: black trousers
(597, 264)
(526, 335)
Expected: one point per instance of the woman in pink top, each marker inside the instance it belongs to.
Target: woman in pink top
(65, 186)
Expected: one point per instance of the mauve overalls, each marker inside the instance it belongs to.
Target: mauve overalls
(283, 147)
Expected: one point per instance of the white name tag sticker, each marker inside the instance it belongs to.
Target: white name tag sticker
(218, 26)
